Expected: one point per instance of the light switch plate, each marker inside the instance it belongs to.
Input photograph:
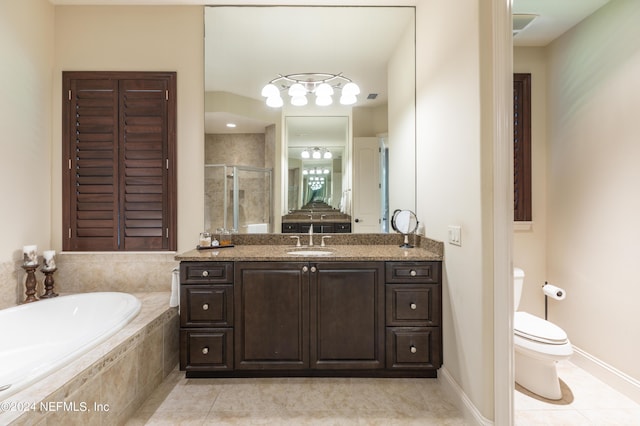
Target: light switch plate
(455, 235)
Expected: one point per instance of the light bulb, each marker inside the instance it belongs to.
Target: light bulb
(275, 101)
(305, 153)
(327, 155)
(324, 100)
(297, 89)
(316, 154)
(270, 90)
(299, 100)
(351, 89)
(324, 89)
(348, 99)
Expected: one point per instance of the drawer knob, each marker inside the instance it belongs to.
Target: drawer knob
(205, 350)
(205, 273)
(305, 269)
(413, 349)
(413, 306)
(313, 269)
(205, 307)
(413, 273)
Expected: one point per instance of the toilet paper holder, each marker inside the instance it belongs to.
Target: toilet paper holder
(550, 290)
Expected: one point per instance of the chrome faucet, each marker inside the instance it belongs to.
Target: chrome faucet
(311, 236)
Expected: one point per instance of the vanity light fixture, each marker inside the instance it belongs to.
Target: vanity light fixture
(316, 171)
(322, 85)
(316, 153)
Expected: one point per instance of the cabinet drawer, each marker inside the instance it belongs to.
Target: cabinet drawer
(413, 272)
(206, 306)
(288, 228)
(342, 228)
(413, 347)
(210, 349)
(206, 272)
(413, 305)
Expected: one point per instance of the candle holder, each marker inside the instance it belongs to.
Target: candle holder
(48, 283)
(30, 282)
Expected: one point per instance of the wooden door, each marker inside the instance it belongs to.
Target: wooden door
(347, 315)
(366, 185)
(271, 326)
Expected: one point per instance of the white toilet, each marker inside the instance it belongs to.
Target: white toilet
(539, 345)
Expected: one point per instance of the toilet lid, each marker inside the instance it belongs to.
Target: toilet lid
(534, 328)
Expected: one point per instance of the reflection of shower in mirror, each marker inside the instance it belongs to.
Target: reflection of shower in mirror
(404, 222)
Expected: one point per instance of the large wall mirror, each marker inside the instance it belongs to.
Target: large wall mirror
(256, 173)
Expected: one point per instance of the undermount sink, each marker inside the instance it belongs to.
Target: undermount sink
(310, 252)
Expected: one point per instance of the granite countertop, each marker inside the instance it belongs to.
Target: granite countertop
(347, 247)
(328, 219)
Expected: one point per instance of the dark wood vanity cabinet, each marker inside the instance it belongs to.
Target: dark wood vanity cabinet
(309, 315)
(318, 227)
(206, 316)
(250, 318)
(413, 315)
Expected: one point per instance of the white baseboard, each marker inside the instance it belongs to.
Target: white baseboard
(613, 377)
(462, 401)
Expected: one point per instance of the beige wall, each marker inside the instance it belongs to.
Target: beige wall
(26, 49)
(593, 176)
(450, 184)
(145, 38)
(530, 239)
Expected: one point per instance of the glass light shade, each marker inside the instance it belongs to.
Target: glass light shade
(297, 89)
(275, 101)
(299, 100)
(351, 89)
(312, 171)
(348, 99)
(325, 171)
(270, 90)
(316, 154)
(305, 172)
(324, 100)
(327, 155)
(324, 89)
(305, 154)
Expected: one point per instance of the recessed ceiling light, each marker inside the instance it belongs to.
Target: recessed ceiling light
(231, 125)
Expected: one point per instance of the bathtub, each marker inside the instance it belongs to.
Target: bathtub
(41, 337)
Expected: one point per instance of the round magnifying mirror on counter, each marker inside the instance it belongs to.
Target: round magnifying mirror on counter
(404, 222)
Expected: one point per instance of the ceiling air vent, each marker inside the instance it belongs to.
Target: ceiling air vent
(521, 21)
(372, 95)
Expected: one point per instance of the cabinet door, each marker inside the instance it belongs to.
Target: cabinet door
(347, 315)
(271, 315)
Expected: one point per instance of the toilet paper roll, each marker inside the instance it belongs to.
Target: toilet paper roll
(554, 292)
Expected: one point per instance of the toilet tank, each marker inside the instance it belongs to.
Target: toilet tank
(518, 282)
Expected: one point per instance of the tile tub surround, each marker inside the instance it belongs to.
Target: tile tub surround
(129, 272)
(12, 278)
(120, 373)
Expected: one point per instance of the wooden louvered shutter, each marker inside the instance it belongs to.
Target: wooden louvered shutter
(119, 142)
(92, 167)
(522, 147)
(143, 153)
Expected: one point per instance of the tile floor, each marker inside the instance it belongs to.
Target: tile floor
(585, 401)
(331, 401)
(297, 401)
